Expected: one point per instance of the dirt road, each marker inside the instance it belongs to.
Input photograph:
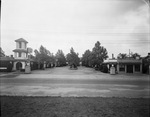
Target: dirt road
(62, 81)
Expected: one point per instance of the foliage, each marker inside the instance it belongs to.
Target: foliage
(146, 64)
(122, 56)
(135, 55)
(60, 57)
(99, 53)
(9, 67)
(104, 68)
(96, 57)
(44, 55)
(86, 57)
(73, 58)
(2, 53)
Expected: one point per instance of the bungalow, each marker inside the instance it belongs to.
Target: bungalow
(128, 65)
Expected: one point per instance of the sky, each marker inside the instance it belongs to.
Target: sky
(119, 25)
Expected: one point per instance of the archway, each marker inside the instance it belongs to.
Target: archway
(18, 65)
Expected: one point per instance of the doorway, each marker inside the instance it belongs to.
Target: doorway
(19, 66)
(129, 68)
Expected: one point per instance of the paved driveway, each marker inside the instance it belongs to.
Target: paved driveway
(62, 81)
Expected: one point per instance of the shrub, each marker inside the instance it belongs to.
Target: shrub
(9, 67)
(105, 69)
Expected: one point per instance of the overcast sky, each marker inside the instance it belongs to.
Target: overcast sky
(119, 25)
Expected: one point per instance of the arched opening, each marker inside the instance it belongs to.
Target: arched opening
(18, 65)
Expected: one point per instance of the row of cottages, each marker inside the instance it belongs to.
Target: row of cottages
(128, 65)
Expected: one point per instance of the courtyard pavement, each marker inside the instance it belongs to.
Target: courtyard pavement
(61, 81)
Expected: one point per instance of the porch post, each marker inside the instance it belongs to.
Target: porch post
(140, 68)
(14, 66)
(118, 68)
(133, 68)
(125, 68)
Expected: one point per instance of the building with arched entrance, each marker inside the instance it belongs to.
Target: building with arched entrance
(20, 54)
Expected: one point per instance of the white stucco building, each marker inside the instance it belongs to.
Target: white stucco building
(128, 65)
(20, 54)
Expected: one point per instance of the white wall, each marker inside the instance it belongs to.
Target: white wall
(23, 55)
(23, 45)
(15, 55)
(23, 65)
(17, 45)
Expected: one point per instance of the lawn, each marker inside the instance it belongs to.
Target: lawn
(19, 106)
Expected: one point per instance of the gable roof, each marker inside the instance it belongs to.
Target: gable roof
(21, 40)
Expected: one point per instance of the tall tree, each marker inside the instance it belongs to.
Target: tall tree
(44, 55)
(94, 57)
(61, 60)
(86, 58)
(73, 58)
(99, 53)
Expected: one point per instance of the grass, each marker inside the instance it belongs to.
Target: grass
(19, 106)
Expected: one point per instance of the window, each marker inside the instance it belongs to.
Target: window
(19, 44)
(137, 68)
(19, 54)
(121, 67)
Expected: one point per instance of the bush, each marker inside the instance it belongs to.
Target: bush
(9, 67)
(100, 67)
(22, 70)
(105, 69)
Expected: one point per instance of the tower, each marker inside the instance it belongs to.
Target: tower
(20, 54)
(21, 49)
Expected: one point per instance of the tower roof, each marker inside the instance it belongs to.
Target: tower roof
(21, 40)
(20, 50)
